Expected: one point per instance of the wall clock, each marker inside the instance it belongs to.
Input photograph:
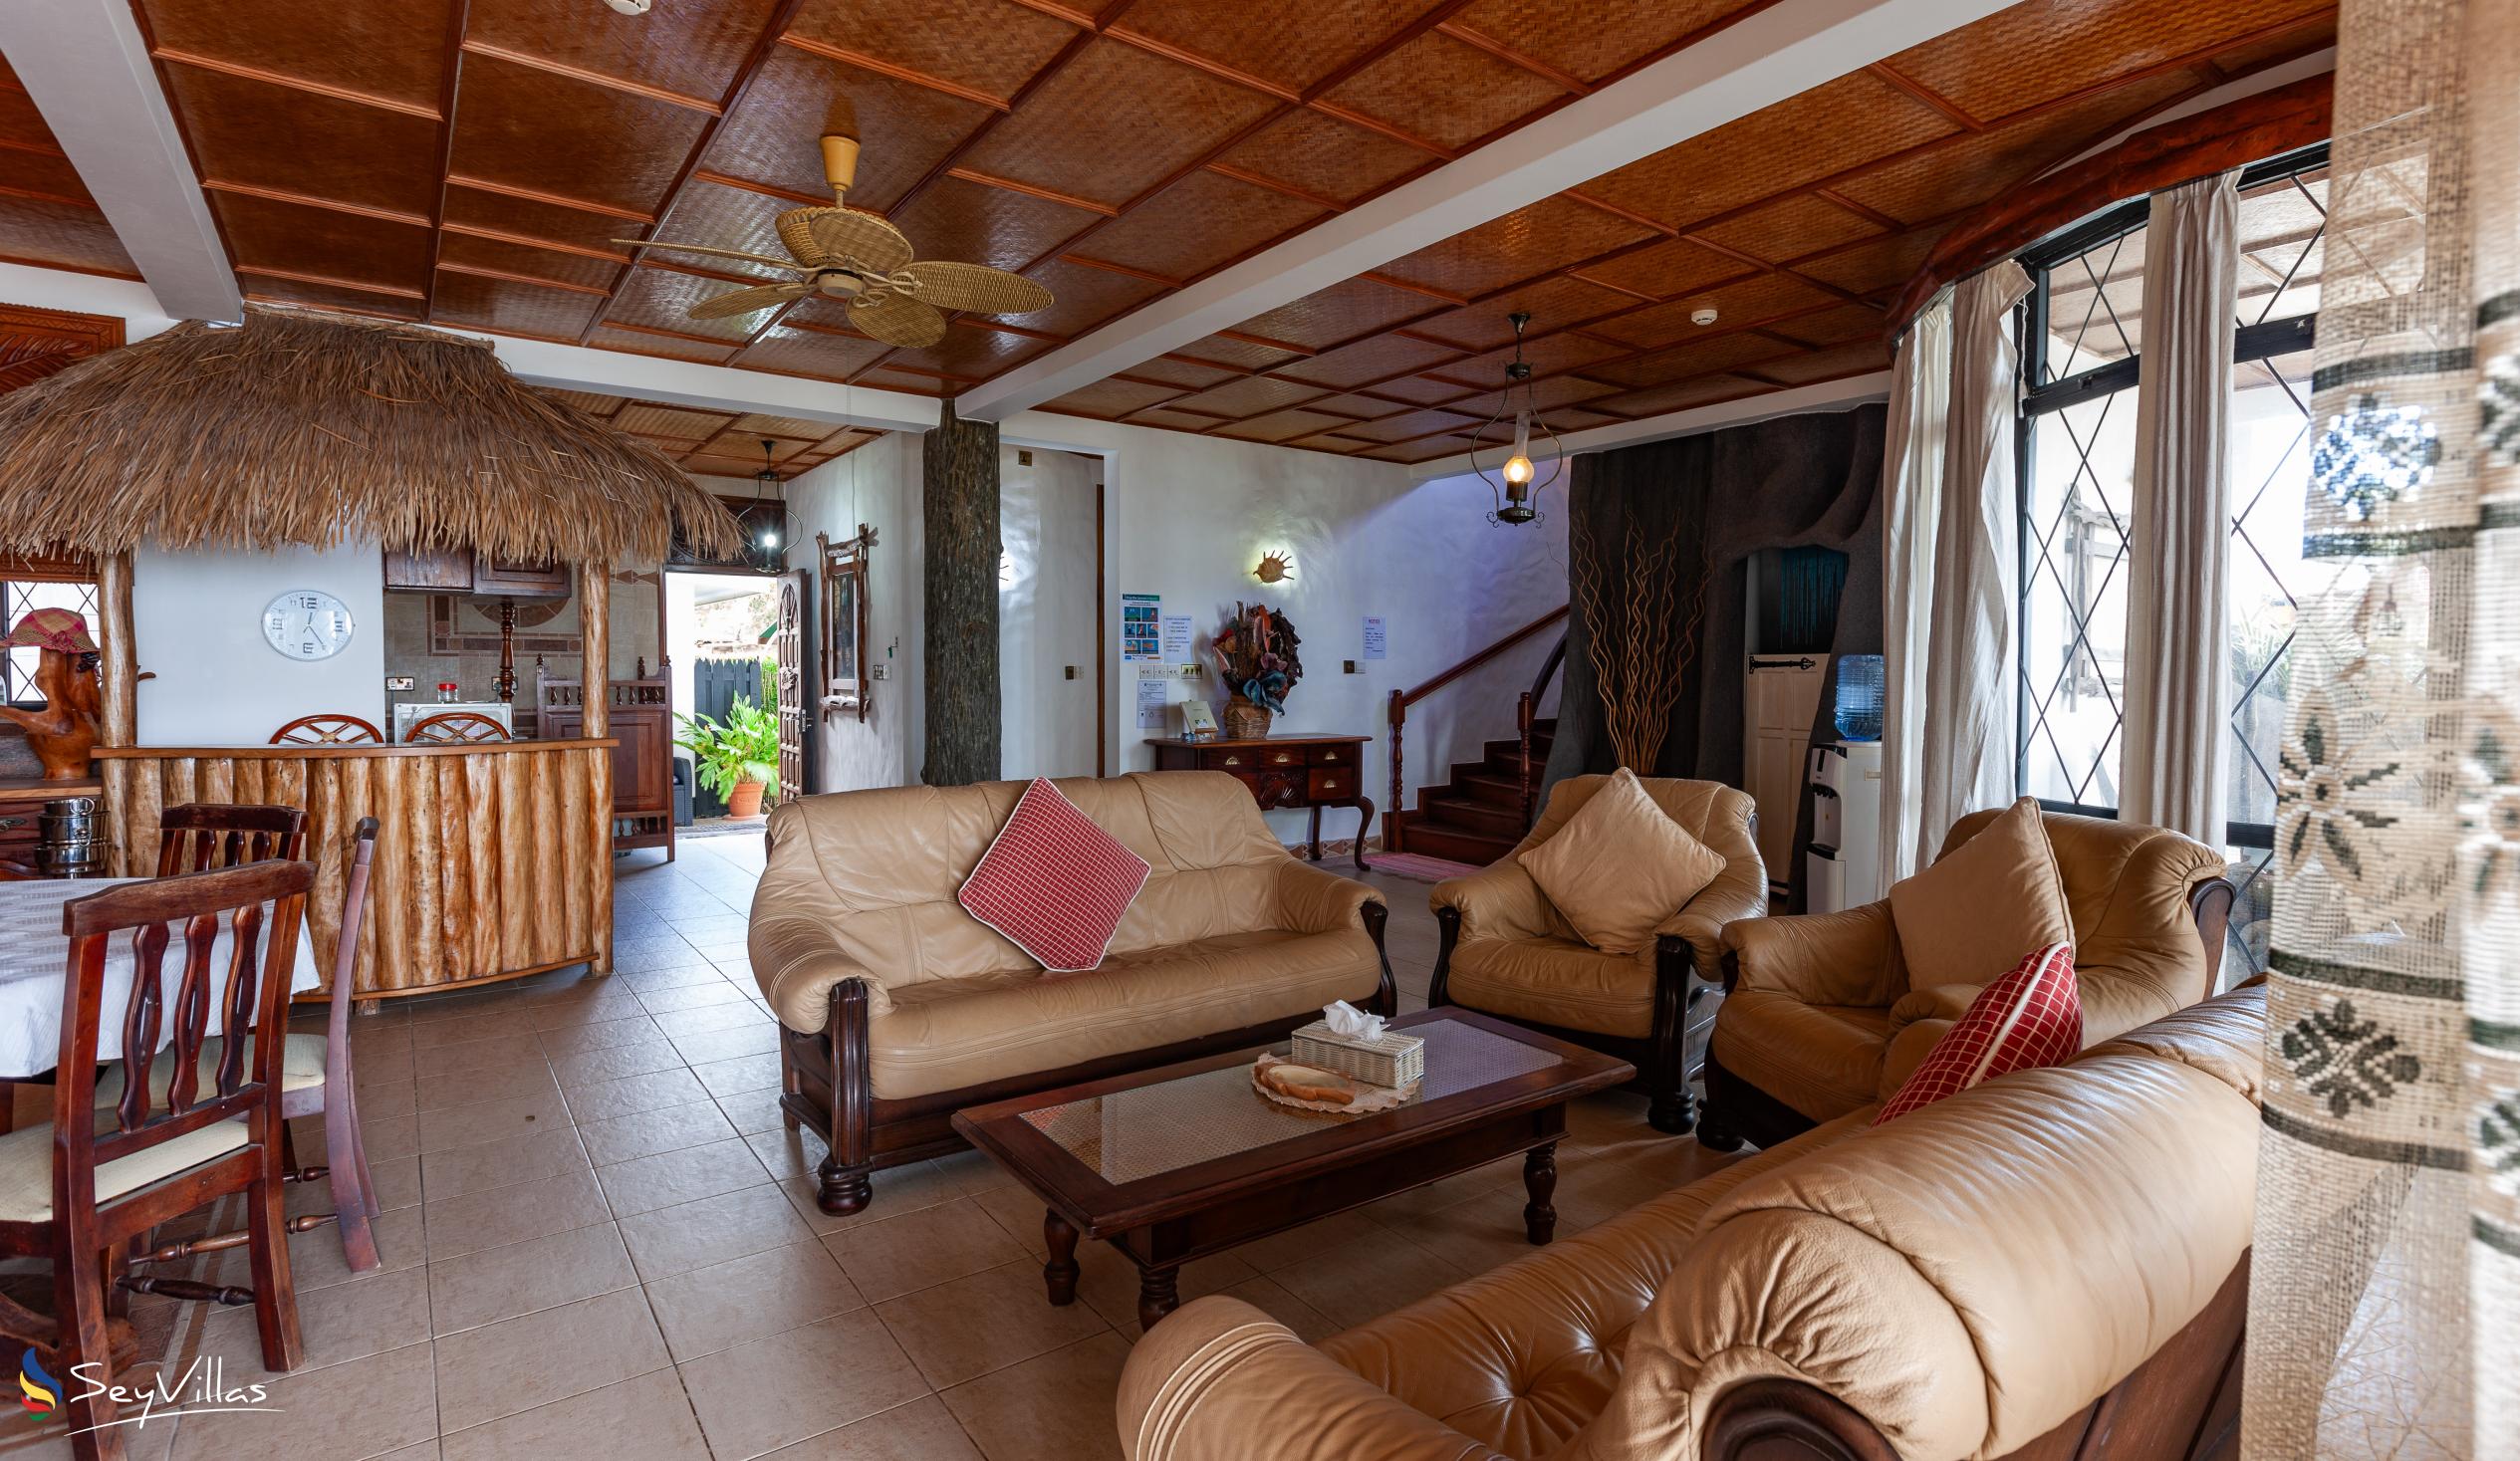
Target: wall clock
(306, 624)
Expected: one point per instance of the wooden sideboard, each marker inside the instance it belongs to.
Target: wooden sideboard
(642, 728)
(1290, 771)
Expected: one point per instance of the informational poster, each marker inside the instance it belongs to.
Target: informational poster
(1140, 615)
(1176, 638)
(1154, 698)
(1375, 641)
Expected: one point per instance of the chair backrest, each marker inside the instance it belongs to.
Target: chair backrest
(237, 928)
(2148, 904)
(198, 837)
(455, 728)
(327, 730)
(344, 993)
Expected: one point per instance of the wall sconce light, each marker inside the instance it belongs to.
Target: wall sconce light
(1517, 497)
(1274, 567)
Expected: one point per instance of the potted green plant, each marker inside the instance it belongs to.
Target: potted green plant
(738, 757)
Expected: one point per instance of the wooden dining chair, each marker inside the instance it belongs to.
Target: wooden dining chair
(327, 730)
(455, 728)
(314, 1081)
(199, 835)
(76, 1192)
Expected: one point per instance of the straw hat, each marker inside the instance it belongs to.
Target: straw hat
(53, 629)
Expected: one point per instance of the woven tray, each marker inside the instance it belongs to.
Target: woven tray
(1372, 1098)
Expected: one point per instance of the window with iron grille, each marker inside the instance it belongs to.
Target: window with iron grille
(2082, 353)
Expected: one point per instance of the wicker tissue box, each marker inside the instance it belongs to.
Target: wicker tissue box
(1393, 1059)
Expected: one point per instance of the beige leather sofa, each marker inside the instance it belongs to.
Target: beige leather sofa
(1503, 949)
(1974, 1280)
(1818, 1018)
(898, 1007)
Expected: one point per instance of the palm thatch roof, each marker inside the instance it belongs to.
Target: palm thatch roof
(303, 429)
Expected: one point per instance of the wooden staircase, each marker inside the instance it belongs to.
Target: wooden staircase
(1478, 816)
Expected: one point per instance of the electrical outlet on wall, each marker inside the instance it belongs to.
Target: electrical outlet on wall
(398, 682)
(876, 671)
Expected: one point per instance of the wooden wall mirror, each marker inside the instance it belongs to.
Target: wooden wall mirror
(846, 679)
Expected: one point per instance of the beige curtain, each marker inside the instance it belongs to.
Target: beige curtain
(2385, 1300)
(1913, 453)
(1967, 752)
(2178, 628)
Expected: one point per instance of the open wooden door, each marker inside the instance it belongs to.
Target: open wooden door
(795, 683)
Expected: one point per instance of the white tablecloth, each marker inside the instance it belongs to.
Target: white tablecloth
(35, 960)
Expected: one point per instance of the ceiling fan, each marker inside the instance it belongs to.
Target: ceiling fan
(856, 256)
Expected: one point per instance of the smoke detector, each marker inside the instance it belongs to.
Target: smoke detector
(1701, 317)
(629, 7)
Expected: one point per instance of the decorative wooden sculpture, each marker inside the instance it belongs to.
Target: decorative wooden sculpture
(65, 730)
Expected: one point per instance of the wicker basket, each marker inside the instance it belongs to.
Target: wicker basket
(1391, 1058)
(1244, 721)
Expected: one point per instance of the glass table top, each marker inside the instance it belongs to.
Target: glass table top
(1150, 1130)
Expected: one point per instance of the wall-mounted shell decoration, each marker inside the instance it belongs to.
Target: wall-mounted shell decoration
(1274, 567)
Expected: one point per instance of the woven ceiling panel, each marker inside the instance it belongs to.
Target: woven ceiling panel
(1184, 373)
(1112, 398)
(979, 224)
(473, 252)
(1250, 396)
(366, 49)
(1288, 43)
(690, 50)
(1114, 123)
(1086, 297)
(904, 129)
(1972, 169)
(812, 352)
(1699, 358)
(1751, 302)
(971, 352)
(1553, 304)
(1226, 351)
(1596, 39)
(1369, 360)
(1548, 355)
(350, 247)
(551, 133)
(337, 149)
(528, 218)
(660, 299)
(638, 343)
(1444, 91)
(1326, 157)
(1205, 220)
(1343, 312)
(1521, 245)
(1706, 390)
(2042, 49)
(263, 289)
(1790, 229)
(511, 308)
(728, 218)
(1413, 423)
(1281, 426)
(990, 46)
(42, 231)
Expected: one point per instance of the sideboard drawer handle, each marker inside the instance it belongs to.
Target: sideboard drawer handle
(1233, 761)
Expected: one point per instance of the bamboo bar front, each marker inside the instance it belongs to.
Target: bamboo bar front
(492, 860)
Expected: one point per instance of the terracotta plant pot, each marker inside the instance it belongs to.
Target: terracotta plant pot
(746, 801)
(1243, 721)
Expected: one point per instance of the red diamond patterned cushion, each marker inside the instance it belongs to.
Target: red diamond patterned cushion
(2032, 1016)
(1053, 883)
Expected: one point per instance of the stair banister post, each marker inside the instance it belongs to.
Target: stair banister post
(1522, 769)
(1392, 836)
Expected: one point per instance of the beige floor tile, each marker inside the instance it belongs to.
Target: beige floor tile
(968, 1327)
(1019, 1212)
(719, 990)
(1109, 1282)
(1375, 1275)
(787, 1153)
(910, 1189)
(532, 1158)
(670, 1178)
(744, 1073)
(1402, 1207)
(754, 1111)
(492, 1120)
(1271, 1297)
(315, 1257)
(600, 1006)
(923, 1430)
(613, 1063)
(386, 1138)
(472, 1088)
(397, 1185)
(735, 1014)
(387, 1099)
(514, 1046)
(918, 1250)
(649, 1132)
(499, 1216)
(1483, 1233)
(381, 1064)
(497, 1284)
(761, 1294)
(676, 1240)
(755, 1037)
(459, 1028)
(336, 1325)
(973, 1171)
(775, 1392)
(1055, 1407)
(361, 1409)
(602, 1034)
(644, 1420)
(1295, 1245)
(679, 976)
(628, 1097)
(515, 1365)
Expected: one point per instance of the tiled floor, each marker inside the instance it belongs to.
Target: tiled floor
(599, 1242)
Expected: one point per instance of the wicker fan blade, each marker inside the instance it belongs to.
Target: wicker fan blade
(979, 288)
(745, 300)
(820, 236)
(685, 248)
(898, 318)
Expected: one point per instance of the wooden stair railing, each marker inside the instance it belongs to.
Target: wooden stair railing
(1395, 835)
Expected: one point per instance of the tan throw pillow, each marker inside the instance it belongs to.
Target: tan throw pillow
(1966, 918)
(1621, 867)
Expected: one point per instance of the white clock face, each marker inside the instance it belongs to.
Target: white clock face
(306, 624)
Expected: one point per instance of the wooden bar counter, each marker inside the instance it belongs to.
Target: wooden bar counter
(492, 860)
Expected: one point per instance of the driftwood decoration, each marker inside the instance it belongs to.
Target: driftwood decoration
(1640, 637)
(303, 429)
(960, 472)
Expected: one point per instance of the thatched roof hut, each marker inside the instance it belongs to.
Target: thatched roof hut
(302, 429)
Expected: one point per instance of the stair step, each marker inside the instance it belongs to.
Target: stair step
(1437, 804)
(1452, 845)
(1499, 791)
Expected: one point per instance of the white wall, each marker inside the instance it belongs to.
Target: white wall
(879, 485)
(1046, 612)
(196, 619)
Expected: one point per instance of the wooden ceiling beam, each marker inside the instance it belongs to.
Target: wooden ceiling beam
(287, 81)
(1480, 40)
(479, 271)
(556, 200)
(362, 286)
(1928, 95)
(883, 68)
(1030, 190)
(309, 200)
(450, 75)
(602, 78)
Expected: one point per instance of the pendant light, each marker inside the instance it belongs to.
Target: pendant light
(768, 517)
(1517, 496)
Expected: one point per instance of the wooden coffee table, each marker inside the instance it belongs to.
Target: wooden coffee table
(1177, 1163)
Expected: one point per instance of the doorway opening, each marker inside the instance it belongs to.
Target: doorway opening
(720, 644)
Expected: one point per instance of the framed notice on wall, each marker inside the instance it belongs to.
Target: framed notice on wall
(1141, 628)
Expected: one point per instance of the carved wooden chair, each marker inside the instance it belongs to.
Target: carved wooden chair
(143, 1160)
(327, 730)
(199, 835)
(455, 728)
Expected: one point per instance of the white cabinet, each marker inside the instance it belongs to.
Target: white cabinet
(1783, 697)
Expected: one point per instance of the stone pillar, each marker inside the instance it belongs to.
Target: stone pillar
(959, 478)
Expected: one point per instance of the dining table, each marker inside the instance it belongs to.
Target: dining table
(34, 973)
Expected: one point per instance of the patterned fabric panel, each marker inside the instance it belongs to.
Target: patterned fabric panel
(1053, 883)
(2032, 1016)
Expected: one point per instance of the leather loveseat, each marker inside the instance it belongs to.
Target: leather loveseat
(898, 1007)
(2052, 1265)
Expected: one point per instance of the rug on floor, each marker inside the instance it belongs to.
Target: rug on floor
(1414, 867)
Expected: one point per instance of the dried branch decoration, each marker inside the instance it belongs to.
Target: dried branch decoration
(1640, 641)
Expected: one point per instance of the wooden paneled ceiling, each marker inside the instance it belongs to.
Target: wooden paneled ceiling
(714, 443)
(465, 162)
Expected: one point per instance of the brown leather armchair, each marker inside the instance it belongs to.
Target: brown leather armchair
(1504, 950)
(1819, 1018)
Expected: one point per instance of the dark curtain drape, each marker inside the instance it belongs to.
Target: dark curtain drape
(1795, 481)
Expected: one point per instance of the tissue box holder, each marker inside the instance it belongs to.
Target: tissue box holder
(1391, 1060)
